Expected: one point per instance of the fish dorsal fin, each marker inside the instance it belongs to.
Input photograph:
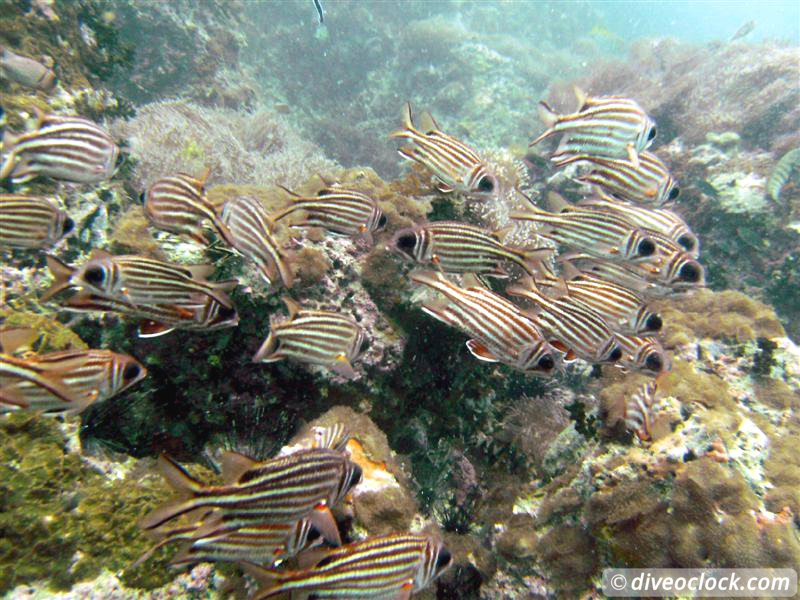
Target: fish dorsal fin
(427, 123)
(581, 96)
(570, 271)
(480, 351)
(325, 181)
(556, 203)
(234, 465)
(199, 272)
(12, 340)
(203, 177)
(292, 306)
(41, 116)
(175, 475)
(288, 191)
(408, 121)
(500, 234)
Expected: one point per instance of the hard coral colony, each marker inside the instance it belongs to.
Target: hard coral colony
(580, 274)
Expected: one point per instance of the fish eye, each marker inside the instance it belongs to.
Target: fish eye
(69, 225)
(652, 135)
(646, 248)
(686, 242)
(653, 323)
(95, 275)
(654, 362)
(143, 197)
(674, 192)
(131, 372)
(615, 354)
(443, 560)
(382, 222)
(546, 362)
(406, 242)
(486, 184)
(689, 273)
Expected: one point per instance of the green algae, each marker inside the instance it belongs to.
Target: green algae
(61, 521)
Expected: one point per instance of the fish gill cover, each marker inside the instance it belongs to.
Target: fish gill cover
(242, 337)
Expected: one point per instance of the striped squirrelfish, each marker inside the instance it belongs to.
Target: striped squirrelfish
(178, 204)
(159, 319)
(788, 163)
(316, 337)
(597, 232)
(455, 166)
(386, 566)
(660, 220)
(462, 248)
(92, 376)
(285, 489)
(64, 148)
(572, 326)
(644, 354)
(338, 210)
(623, 309)
(32, 221)
(638, 415)
(250, 228)
(499, 330)
(649, 183)
(670, 264)
(606, 126)
(140, 280)
(26, 71)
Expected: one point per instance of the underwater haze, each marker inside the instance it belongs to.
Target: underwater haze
(355, 299)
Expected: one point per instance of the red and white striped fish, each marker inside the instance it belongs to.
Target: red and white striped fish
(639, 411)
(65, 148)
(570, 326)
(178, 204)
(606, 126)
(455, 166)
(643, 353)
(251, 234)
(32, 221)
(387, 566)
(499, 331)
(649, 183)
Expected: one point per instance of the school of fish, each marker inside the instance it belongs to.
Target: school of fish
(619, 247)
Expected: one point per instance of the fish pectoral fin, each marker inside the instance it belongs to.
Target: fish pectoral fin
(312, 557)
(480, 351)
(633, 156)
(234, 465)
(569, 355)
(443, 187)
(405, 591)
(267, 577)
(341, 366)
(322, 518)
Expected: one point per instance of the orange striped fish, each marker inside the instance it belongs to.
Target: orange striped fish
(32, 221)
(643, 354)
(499, 330)
(387, 566)
(455, 166)
(178, 204)
(639, 411)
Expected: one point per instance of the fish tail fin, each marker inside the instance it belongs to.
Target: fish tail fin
(284, 264)
(293, 206)
(61, 272)
(557, 203)
(13, 340)
(271, 581)
(408, 121)
(547, 116)
(222, 230)
(580, 95)
(535, 261)
(267, 351)
(177, 477)
(433, 279)
(217, 291)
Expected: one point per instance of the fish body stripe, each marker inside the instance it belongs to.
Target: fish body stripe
(177, 204)
(787, 164)
(319, 337)
(650, 182)
(341, 211)
(638, 349)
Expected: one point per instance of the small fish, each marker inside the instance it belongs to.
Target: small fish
(661, 220)
(597, 232)
(575, 328)
(140, 280)
(15, 370)
(462, 248)
(387, 566)
(649, 183)
(250, 227)
(623, 309)
(92, 376)
(317, 337)
(64, 148)
(178, 204)
(159, 319)
(32, 221)
(499, 330)
(644, 354)
(607, 126)
(455, 166)
(26, 71)
(338, 210)
(670, 264)
(639, 411)
(788, 163)
(285, 489)
(744, 30)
